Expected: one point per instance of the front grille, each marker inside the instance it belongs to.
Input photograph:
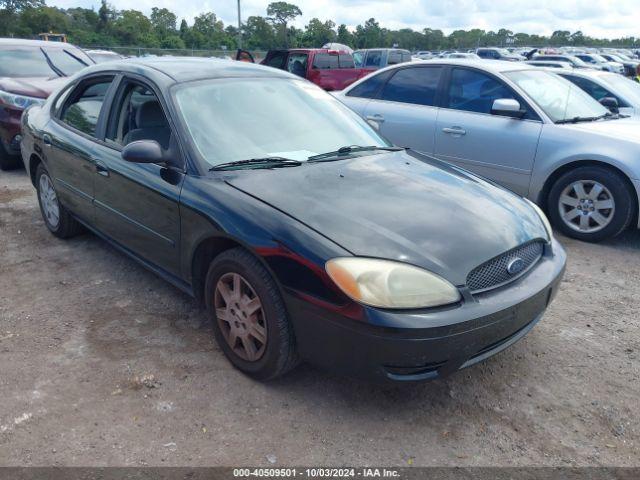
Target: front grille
(494, 273)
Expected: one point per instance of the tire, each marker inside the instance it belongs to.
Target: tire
(277, 354)
(8, 162)
(64, 226)
(582, 195)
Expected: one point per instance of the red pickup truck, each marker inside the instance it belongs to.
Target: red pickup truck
(329, 69)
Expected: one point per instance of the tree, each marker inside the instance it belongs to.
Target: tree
(318, 33)
(134, 28)
(105, 15)
(281, 13)
(16, 6)
(344, 35)
(163, 21)
(259, 33)
(370, 35)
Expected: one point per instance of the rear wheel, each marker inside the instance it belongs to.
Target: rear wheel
(591, 204)
(249, 318)
(57, 219)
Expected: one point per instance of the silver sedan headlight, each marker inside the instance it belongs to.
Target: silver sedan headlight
(543, 218)
(19, 101)
(389, 284)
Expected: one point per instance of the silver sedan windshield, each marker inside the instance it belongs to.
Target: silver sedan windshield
(560, 99)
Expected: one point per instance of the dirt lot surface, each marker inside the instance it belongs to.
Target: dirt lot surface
(103, 363)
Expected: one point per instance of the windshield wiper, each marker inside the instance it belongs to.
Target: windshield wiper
(266, 162)
(585, 119)
(343, 151)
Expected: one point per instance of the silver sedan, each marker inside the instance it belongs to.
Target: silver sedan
(525, 128)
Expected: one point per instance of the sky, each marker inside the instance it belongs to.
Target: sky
(596, 18)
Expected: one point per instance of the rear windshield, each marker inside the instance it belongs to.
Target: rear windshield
(324, 61)
(32, 62)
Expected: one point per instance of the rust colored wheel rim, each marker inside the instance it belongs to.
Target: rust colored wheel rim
(240, 317)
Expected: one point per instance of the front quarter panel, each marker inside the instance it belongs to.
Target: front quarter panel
(561, 145)
(295, 254)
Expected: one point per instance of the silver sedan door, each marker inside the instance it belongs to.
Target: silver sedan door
(500, 148)
(405, 110)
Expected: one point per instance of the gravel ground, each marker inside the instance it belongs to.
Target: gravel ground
(102, 363)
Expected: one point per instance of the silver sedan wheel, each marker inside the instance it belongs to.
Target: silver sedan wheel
(240, 316)
(586, 206)
(49, 201)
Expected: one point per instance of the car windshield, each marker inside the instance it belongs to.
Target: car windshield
(560, 99)
(599, 58)
(240, 119)
(32, 62)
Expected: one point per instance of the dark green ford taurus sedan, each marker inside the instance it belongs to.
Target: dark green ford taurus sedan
(306, 234)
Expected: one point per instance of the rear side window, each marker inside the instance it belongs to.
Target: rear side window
(82, 110)
(297, 64)
(346, 61)
(374, 58)
(394, 58)
(323, 61)
(417, 85)
(473, 91)
(369, 88)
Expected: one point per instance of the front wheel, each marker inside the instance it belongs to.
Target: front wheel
(591, 204)
(249, 318)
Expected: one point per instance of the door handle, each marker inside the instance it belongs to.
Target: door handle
(454, 131)
(375, 118)
(46, 139)
(102, 169)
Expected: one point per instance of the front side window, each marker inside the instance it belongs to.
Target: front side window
(358, 58)
(474, 91)
(560, 99)
(243, 118)
(276, 60)
(297, 64)
(394, 58)
(370, 87)
(138, 115)
(417, 85)
(346, 61)
(84, 105)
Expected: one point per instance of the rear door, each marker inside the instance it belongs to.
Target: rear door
(71, 141)
(405, 110)
(500, 148)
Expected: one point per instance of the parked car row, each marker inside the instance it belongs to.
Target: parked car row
(530, 130)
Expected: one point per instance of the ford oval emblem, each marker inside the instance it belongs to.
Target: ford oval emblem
(515, 266)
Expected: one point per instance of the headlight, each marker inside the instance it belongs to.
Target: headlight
(543, 218)
(389, 284)
(18, 101)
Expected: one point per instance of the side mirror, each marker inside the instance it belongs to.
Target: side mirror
(611, 103)
(143, 151)
(507, 107)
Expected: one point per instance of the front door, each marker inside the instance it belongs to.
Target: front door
(500, 148)
(137, 205)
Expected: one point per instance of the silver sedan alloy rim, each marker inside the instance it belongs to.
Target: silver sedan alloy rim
(586, 206)
(240, 316)
(49, 201)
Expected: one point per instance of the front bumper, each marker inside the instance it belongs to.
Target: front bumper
(386, 345)
(9, 129)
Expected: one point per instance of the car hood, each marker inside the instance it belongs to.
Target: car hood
(392, 205)
(38, 87)
(627, 129)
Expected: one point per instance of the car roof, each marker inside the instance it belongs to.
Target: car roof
(21, 42)
(494, 66)
(186, 69)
